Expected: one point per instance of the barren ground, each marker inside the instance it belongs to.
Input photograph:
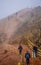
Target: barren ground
(9, 55)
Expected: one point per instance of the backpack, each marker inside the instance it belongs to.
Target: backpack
(27, 56)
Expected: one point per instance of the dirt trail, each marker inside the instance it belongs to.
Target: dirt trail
(12, 57)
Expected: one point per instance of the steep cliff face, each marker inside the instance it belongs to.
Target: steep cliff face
(22, 23)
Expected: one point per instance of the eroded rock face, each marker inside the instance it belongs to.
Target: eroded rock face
(22, 23)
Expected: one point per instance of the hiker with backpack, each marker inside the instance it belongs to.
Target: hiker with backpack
(27, 56)
(34, 51)
(20, 49)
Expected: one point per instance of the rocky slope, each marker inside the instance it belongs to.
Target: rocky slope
(23, 23)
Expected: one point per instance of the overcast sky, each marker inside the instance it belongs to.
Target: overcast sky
(8, 7)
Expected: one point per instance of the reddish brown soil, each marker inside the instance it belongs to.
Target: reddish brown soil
(12, 57)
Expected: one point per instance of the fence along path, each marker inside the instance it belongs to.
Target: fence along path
(30, 44)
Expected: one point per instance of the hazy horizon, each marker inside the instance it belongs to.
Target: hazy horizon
(8, 7)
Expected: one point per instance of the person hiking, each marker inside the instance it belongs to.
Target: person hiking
(20, 49)
(34, 51)
(27, 56)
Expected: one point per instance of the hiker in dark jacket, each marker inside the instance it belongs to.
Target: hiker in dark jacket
(20, 49)
(27, 56)
(34, 51)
